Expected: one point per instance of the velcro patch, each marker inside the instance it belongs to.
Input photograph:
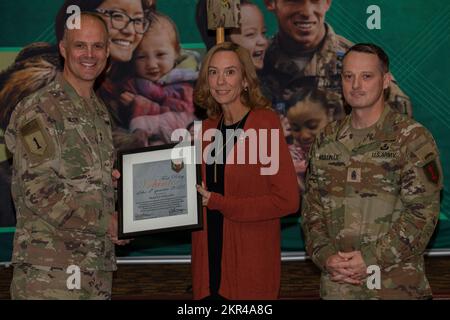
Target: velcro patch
(36, 140)
(354, 175)
(432, 172)
(427, 161)
(424, 154)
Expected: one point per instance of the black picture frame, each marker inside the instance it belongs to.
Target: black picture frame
(153, 198)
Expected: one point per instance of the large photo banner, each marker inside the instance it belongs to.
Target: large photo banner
(148, 88)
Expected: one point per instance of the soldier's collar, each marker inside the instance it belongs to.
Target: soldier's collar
(385, 126)
(69, 90)
(384, 129)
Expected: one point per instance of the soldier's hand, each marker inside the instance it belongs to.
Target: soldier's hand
(354, 262)
(115, 176)
(113, 229)
(344, 279)
(332, 265)
(340, 274)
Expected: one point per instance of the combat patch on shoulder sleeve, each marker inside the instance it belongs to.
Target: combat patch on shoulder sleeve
(427, 160)
(432, 172)
(36, 140)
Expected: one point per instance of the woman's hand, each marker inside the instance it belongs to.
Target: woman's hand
(204, 193)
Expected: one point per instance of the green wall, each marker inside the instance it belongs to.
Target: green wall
(415, 34)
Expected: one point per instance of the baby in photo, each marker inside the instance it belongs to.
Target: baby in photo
(160, 93)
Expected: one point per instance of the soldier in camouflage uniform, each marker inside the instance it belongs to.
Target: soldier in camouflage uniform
(60, 138)
(306, 52)
(303, 57)
(372, 192)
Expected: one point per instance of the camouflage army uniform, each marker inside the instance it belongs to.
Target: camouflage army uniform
(281, 76)
(375, 190)
(62, 186)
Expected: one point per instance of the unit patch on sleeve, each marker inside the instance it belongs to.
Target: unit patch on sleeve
(36, 140)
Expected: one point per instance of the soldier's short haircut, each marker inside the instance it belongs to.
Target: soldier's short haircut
(371, 49)
(92, 15)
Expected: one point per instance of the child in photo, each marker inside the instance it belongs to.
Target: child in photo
(252, 33)
(309, 112)
(160, 94)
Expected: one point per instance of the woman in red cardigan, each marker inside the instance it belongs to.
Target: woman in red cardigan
(249, 182)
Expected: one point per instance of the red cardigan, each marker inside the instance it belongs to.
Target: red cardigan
(252, 207)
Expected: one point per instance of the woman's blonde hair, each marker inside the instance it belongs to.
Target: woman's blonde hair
(251, 96)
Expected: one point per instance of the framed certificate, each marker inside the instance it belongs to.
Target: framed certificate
(157, 190)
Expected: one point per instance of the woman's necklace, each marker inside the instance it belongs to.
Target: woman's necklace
(219, 152)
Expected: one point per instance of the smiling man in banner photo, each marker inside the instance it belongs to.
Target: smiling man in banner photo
(307, 53)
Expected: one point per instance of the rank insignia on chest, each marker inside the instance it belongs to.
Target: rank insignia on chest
(354, 175)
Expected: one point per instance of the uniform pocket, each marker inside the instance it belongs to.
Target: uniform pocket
(77, 155)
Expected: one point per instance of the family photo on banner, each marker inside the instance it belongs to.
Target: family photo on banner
(157, 49)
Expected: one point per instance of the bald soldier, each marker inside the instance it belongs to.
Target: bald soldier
(60, 138)
(372, 191)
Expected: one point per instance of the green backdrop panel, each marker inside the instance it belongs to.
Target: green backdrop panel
(415, 34)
